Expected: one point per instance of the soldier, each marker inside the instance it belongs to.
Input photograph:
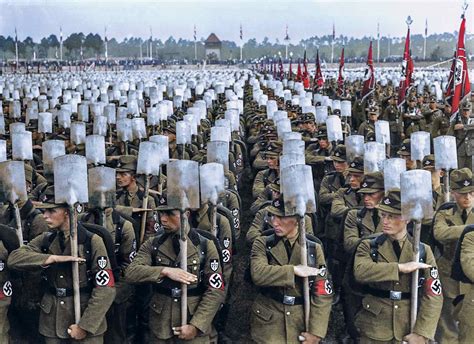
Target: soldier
(441, 122)
(392, 115)
(457, 129)
(130, 196)
(272, 172)
(383, 265)
(369, 125)
(405, 153)
(412, 118)
(431, 112)
(447, 228)
(156, 263)
(275, 265)
(121, 230)
(49, 252)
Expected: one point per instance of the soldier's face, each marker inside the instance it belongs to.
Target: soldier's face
(56, 217)
(372, 199)
(340, 166)
(392, 224)
(309, 126)
(170, 220)
(464, 200)
(323, 143)
(272, 162)
(124, 179)
(466, 113)
(432, 105)
(285, 226)
(411, 164)
(355, 179)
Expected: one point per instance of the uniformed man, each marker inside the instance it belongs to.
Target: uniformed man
(412, 118)
(440, 125)
(447, 228)
(275, 265)
(392, 115)
(405, 153)
(462, 136)
(51, 252)
(157, 263)
(369, 125)
(384, 266)
(432, 111)
(272, 172)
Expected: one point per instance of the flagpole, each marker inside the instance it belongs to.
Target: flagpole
(332, 42)
(389, 44)
(16, 49)
(151, 43)
(424, 42)
(378, 42)
(106, 51)
(195, 44)
(60, 43)
(287, 42)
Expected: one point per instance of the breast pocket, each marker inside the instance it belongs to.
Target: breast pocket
(46, 304)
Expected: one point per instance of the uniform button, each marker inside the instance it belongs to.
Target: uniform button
(288, 313)
(368, 306)
(194, 261)
(175, 300)
(396, 307)
(61, 302)
(61, 276)
(397, 283)
(195, 268)
(258, 311)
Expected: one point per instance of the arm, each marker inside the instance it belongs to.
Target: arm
(28, 257)
(444, 230)
(266, 275)
(430, 302)
(467, 255)
(351, 231)
(102, 295)
(326, 195)
(255, 229)
(258, 184)
(128, 245)
(339, 207)
(140, 269)
(212, 298)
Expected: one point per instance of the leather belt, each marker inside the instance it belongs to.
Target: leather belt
(66, 292)
(388, 294)
(176, 292)
(284, 299)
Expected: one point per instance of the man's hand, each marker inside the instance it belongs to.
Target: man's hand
(178, 275)
(414, 338)
(406, 268)
(308, 338)
(459, 126)
(306, 271)
(76, 332)
(54, 259)
(186, 332)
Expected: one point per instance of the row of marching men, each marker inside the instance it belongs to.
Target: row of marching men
(399, 260)
(102, 246)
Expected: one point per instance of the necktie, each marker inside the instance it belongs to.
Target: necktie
(397, 248)
(464, 216)
(62, 241)
(126, 200)
(287, 248)
(375, 218)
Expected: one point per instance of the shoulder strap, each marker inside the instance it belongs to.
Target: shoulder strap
(374, 246)
(47, 240)
(156, 243)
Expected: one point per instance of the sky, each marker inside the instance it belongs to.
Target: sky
(259, 18)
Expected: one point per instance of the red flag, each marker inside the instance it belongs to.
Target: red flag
(461, 86)
(369, 77)
(275, 73)
(298, 72)
(340, 78)
(318, 77)
(290, 72)
(305, 72)
(407, 71)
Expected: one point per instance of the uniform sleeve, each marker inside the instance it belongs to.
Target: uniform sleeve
(326, 196)
(351, 231)
(435, 128)
(432, 300)
(444, 230)
(467, 255)
(214, 295)
(255, 229)
(261, 199)
(104, 292)
(266, 275)
(321, 300)
(226, 246)
(339, 207)
(368, 271)
(128, 245)
(28, 257)
(140, 269)
(258, 184)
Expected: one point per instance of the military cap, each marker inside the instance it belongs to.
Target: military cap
(47, 199)
(357, 165)
(308, 117)
(466, 105)
(391, 203)
(163, 203)
(322, 132)
(411, 99)
(273, 148)
(433, 99)
(461, 180)
(277, 207)
(126, 163)
(339, 154)
(405, 148)
(275, 185)
(428, 162)
(373, 110)
(336, 112)
(372, 182)
(170, 126)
